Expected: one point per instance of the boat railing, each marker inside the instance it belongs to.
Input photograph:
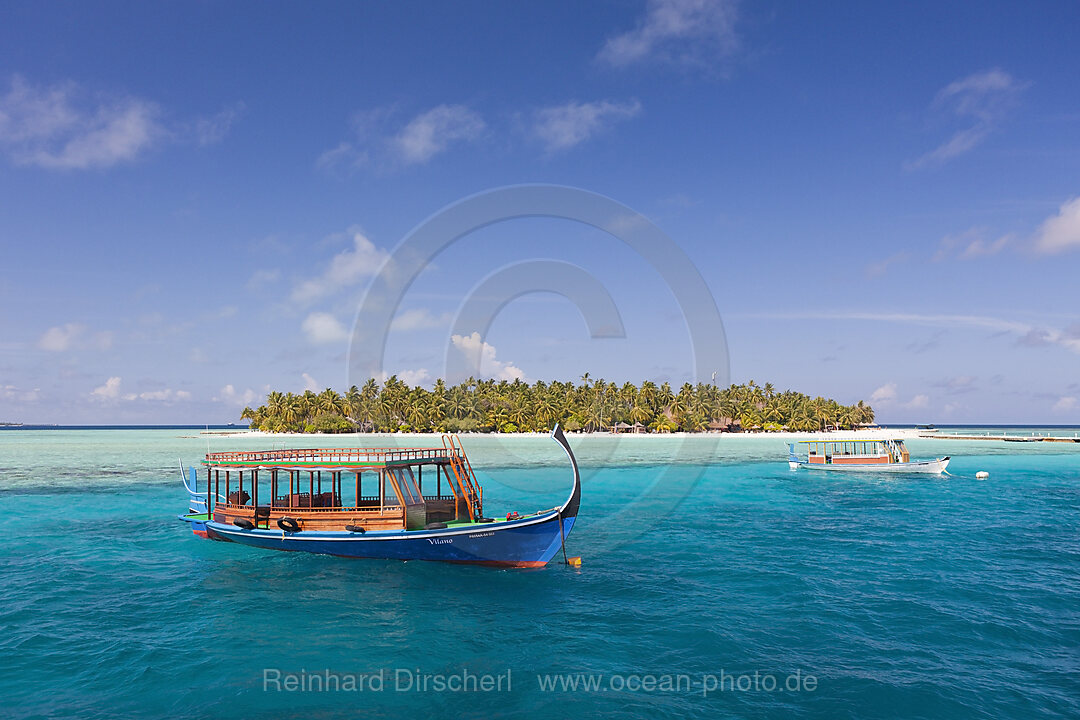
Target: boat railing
(463, 472)
(233, 508)
(329, 455)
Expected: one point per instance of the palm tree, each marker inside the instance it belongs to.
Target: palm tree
(328, 401)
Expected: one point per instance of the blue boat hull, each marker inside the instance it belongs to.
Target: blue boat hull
(528, 542)
(198, 523)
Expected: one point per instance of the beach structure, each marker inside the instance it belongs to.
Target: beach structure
(391, 503)
(855, 453)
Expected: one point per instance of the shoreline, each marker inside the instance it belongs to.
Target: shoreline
(837, 435)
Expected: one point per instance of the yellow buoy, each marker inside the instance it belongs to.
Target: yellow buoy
(574, 562)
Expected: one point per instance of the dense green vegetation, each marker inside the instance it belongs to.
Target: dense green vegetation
(490, 406)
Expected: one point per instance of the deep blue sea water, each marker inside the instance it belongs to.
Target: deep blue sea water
(704, 562)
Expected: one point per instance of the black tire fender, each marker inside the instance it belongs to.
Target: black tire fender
(288, 524)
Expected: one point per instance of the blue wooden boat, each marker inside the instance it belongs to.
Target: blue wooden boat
(316, 503)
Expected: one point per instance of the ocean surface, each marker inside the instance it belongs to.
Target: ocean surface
(715, 583)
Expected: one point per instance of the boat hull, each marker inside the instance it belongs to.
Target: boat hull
(198, 523)
(528, 542)
(924, 467)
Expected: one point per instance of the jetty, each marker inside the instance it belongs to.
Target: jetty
(1002, 438)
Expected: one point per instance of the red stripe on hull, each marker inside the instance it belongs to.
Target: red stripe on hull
(497, 563)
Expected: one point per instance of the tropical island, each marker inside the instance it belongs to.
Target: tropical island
(592, 406)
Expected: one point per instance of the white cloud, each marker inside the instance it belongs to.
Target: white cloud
(50, 127)
(74, 336)
(377, 139)
(481, 355)
(414, 377)
(162, 395)
(418, 319)
(61, 338)
(230, 395)
(982, 99)
(970, 244)
(564, 126)
(917, 402)
(310, 383)
(687, 32)
(369, 132)
(432, 132)
(344, 153)
(323, 328)
(109, 391)
(884, 394)
(1065, 404)
(1028, 334)
(14, 394)
(156, 395)
(347, 268)
(213, 129)
(1062, 231)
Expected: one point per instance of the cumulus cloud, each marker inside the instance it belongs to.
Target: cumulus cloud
(347, 268)
(885, 393)
(563, 126)
(1065, 404)
(918, 402)
(980, 100)
(13, 393)
(432, 132)
(66, 127)
(61, 338)
(229, 394)
(414, 377)
(323, 328)
(480, 355)
(1062, 231)
(685, 32)
(310, 383)
(163, 395)
(377, 139)
(109, 391)
(59, 127)
(74, 336)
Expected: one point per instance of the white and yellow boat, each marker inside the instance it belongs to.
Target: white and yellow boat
(861, 454)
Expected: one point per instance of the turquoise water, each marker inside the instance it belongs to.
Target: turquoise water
(705, 561)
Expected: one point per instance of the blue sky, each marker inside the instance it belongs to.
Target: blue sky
(883, 200)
